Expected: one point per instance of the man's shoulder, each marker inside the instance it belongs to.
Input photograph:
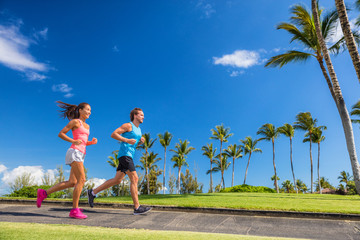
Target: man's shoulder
(127, 126)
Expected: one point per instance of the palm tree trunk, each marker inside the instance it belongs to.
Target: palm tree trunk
(311, 168)
(276, 184)
(247, 168)
(221, 166)
(318, 168)
(222, 179)
(147, 180)
(349, 38)
(178, 190)
(164, 171)
(292, 168)
(327, 78)
(344, 115)
(147, 173)
(232, 180)
(211, 180)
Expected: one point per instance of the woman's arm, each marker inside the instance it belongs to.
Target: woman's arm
(62, 134)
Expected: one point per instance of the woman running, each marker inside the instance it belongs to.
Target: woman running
(75, 155)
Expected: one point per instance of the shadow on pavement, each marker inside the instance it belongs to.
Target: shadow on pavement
(17, 214)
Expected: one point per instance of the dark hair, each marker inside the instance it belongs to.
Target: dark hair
(134, 112)
(70, 111)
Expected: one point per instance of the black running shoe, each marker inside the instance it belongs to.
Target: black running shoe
(141, 210)
(90, 198)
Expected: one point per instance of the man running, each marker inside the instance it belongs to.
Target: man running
(129, 135)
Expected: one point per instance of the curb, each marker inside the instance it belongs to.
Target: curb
(227, 211)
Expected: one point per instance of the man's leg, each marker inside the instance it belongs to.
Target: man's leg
(111, 182)
(133, 187)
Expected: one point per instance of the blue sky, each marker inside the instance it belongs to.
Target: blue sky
(190, 65)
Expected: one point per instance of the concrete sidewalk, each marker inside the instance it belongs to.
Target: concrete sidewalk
(268, 213)
(186, 221)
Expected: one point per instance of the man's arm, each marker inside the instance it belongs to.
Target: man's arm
(126, 127)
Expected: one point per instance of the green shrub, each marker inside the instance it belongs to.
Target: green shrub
(351, 188)
(31, 192)
(248, 188)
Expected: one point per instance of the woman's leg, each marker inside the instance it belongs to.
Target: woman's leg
(78, 170)
(64, 185)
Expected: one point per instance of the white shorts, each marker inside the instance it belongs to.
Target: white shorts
(74, 155)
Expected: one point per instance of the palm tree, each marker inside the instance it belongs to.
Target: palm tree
(288, 131)
(114, 162)
(148, 143)
(305, 122)
(234, 151)
(222, 134)
(348, 35)
(302, 31)
(209, 152)
(165, 141)
(287, 186)
(220, 166)
(273, 179)
(338, 98)
(314, 34)
(179, 159)
(317, 137)
(301, 186)
(356, 111)
(345, 177)
(269, 132)
(249, 146)
(148, 163)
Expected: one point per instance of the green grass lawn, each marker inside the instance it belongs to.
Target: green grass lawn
(262, 201)
(37, 231)
(258, 201)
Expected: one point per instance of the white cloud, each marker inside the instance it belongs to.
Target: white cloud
(339, 34)
(37, 173)
(236, 73)
(41, 34)
(68, 95)
(276, 50)
(240, 59)
(14, 50)
(206, 8)
(115, 49)
(63, 88)
(3, 168)
(33, 76)
(97, 181)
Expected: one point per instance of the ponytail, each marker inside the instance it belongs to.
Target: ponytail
(70, 111)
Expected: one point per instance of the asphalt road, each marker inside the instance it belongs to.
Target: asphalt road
(185, 221)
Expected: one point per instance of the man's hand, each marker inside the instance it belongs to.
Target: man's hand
(131, 141)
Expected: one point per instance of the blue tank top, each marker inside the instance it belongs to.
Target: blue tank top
(128, 149)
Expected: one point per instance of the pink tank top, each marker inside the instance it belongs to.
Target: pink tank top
(83, 134)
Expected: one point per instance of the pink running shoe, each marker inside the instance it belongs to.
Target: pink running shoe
(76, 213)
(41, 195)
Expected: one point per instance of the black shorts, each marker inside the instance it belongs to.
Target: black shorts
(126, 163)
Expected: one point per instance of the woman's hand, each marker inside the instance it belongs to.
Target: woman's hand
(77, 142)
(94, 141)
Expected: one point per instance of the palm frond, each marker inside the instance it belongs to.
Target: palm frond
(289, 56)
